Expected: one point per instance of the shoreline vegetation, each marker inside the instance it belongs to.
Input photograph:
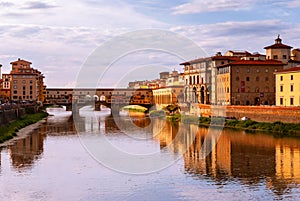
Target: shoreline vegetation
(277, 128)
(10, 130)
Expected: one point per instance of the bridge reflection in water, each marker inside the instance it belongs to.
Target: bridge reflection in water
(250, 159)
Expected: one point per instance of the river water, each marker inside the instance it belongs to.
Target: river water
(100, 157)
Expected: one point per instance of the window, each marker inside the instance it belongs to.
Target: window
(24, 81)
(15, 86)
(284, 56)
(275, 57)
(267, 79)
(237, 70)
(257, 70)
(281, 88)
(251, 59)
(292, 77)
(292, 87)
(237, 78)
(281, 78)
(281, 101)
(267, 70)
(248, 70)
(248, 79)
(257, 78)
(291, 101)
(15, 92)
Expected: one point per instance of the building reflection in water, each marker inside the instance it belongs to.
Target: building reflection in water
(251, 159)
(25, 152)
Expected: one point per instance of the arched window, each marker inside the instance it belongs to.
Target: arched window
(237, 78)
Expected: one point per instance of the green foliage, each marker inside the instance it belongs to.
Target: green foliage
(157, 113)
(189, 119)
(175, 117)
(173, 108)
(282, 129)
(10, 130)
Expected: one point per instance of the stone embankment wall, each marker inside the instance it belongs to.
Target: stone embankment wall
(256, 113)
(7, 116)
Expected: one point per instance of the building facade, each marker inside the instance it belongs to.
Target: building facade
(288, 87)
(26, 83)
(198, 80)
(247, 82)
(170, 95)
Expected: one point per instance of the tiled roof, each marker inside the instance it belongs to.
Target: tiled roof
(294, 69)
(231, 58)
(254, 62)
(196, 61)
(278, 46)
(14, 62)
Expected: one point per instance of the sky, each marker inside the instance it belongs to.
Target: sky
(59, 37)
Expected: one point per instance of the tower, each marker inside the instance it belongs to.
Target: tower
(278, 51)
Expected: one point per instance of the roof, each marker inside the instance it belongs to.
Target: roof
(253, 62)
(289, 70)
(231, 58)
(196, 61)
(15, 62)
(278, 46)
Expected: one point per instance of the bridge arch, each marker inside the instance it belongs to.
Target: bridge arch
(96, 98)
(102, 98)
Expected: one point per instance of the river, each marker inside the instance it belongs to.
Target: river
(100, 157)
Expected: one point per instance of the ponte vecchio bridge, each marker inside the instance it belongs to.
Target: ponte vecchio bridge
(112, 98)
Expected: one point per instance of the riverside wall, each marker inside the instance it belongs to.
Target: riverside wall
(256, 113)
(7, 116)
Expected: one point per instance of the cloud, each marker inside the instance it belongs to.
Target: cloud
(6, 4)
(38, 5)
(292, 4)
(249, 35)
(202, 6)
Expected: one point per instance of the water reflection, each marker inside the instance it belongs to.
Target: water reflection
(25, 151)
(250, 160)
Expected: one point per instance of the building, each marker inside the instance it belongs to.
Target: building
(284, 53)
(247, 82)
(175, 79)
(288, 87)
(170, 95)
(200, 77)
(5, 88)
(198, 80)
(26, 83)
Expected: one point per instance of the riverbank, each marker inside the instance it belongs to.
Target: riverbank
(19, 127)
(277, 128)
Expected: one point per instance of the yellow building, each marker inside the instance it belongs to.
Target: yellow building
(288, 87)
(165, 96)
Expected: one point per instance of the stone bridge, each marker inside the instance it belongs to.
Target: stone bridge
(111, 98)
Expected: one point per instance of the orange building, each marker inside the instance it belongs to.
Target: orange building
(26, 83)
